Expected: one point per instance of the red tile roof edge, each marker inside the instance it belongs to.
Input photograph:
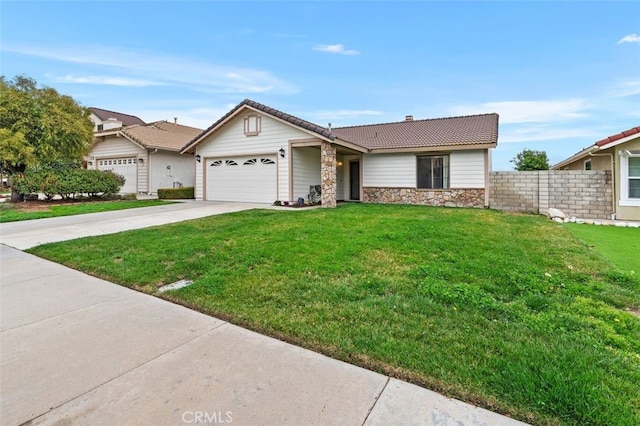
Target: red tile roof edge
(617, 136)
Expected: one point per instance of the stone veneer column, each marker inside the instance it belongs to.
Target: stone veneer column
(328, 172)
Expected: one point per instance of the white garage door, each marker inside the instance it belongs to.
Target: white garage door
(245, 179)
(127, 167)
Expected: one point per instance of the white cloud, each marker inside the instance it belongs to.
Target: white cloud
(194, 117)
(529, 111)
(201, 75)
(104, 80)
(342, 114)
(626, 88)
(630, 38)
(533, 133)
(337, 49)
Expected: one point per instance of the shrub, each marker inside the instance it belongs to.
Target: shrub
(186, 192)
(68, 181)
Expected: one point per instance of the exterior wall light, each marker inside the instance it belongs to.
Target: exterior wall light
(281, 152)
(198, 158)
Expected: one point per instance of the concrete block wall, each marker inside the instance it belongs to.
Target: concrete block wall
(585, 194)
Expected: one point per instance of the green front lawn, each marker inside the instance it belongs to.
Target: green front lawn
(510, 312)
(23, 211)
(620, 245)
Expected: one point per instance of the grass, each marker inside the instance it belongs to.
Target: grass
(509, 312)
(620, 245)
(10, 213)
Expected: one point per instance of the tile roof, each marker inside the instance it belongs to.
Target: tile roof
(617, 136)
(450, 131)
(126, 119)
(161, 135)
(267, 110)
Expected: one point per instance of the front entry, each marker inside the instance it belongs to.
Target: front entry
(354, 180)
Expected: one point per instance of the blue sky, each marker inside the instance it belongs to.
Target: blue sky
(562, 75)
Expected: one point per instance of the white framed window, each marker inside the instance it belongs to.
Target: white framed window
(433, 172)
(252, 125)
(587, 164)
(630, 178)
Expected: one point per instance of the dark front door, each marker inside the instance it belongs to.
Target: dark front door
(354, 180)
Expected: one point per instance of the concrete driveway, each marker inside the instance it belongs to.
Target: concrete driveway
(30, 233)
(75, 349)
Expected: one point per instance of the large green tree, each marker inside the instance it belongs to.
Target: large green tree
(38, 125)
(528, 160)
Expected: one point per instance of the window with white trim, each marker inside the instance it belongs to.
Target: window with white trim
(630, 178)
(252, 125)
(433, 172)
(634, 177)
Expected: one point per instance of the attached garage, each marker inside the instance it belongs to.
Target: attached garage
(127, 167)
(244, 179)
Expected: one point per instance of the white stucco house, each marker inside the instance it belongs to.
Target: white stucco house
(147, 155)
(259, 154)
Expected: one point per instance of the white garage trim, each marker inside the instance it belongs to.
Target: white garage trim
(125, 166)
(246, 178)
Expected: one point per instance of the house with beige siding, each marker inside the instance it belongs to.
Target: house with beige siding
(255, 153)
(619, 153)
(147, 155)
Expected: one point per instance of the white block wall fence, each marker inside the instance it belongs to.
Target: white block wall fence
(585, 194)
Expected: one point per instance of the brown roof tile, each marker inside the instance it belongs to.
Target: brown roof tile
(126, 119)
(450, 131)
(613, 138)
(161, 135)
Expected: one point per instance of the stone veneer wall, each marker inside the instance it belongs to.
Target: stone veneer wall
(429, 197)
(586, 194)
(328, 173)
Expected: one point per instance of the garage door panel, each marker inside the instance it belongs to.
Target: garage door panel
(127, 167)
(246, 179)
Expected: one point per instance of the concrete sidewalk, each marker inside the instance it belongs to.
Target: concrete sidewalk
(75, 349)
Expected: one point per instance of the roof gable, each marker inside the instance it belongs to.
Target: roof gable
(256, 106)
(125, 119)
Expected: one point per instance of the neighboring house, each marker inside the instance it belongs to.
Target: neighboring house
(258, 154)
(619, 153)
(147, 155)
(108, 120)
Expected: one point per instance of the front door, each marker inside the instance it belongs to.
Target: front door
(354, 180)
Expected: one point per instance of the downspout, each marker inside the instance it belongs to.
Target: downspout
(613, 181)
(149, 170)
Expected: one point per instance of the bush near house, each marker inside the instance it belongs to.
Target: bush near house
(68, 181)
(184, 193)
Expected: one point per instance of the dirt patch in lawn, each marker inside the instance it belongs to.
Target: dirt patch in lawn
(42, 205)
